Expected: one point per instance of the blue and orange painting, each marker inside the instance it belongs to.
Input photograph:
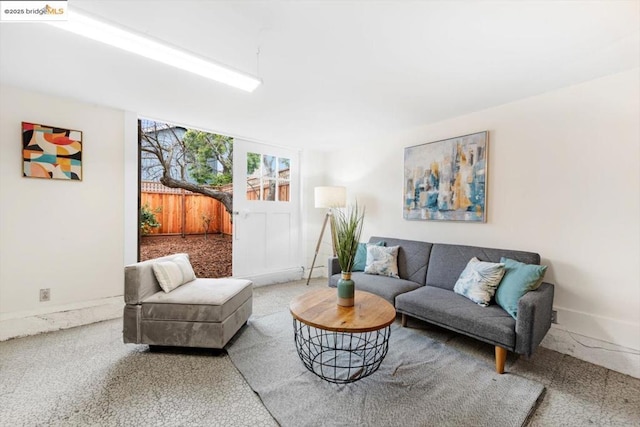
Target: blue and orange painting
(51, 152)
(446, 180)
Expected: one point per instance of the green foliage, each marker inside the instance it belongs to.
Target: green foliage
(253, 162)
(205, 149)
(346, 226)
(148, 220)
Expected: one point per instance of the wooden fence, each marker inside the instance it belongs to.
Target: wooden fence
(181, 211)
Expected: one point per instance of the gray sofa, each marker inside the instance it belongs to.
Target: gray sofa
(428, 273)
(201, 313)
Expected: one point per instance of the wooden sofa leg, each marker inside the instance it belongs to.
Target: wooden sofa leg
(501, 358)
(403, 321)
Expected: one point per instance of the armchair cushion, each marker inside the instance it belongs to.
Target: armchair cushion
(201, 300)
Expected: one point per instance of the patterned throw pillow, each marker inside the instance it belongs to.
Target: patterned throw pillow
(382, 260)
(479, 280)
(173, 273)
(360, 260)
(519, 278)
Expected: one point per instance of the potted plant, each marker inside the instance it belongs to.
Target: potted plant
(346, 227)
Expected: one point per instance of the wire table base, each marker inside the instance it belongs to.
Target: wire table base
(340, 357)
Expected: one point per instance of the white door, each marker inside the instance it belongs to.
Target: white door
(266, 219)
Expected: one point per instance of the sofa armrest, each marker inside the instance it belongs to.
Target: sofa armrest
(534, 318)
(333, 267)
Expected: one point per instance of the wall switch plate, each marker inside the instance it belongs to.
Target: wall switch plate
(554, 316)
(45, 294)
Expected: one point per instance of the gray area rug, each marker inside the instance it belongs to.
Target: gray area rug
(421, 382)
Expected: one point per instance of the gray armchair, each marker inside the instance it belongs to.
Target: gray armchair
(200, 313)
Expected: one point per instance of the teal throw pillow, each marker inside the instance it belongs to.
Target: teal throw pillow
(479, 280)
(360, 261)
(519, 278)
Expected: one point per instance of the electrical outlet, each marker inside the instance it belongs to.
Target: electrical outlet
(45, 294)
(554, 316)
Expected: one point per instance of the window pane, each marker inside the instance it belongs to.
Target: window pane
(253, 176)
(269, 166)
(283, 191)
(284, 165)
(268, 177)
(283, 168)
(269, 189)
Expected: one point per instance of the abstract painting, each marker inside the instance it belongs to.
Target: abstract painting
(50, 152)
(447, 180)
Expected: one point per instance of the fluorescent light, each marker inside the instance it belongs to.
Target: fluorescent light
(124, 39)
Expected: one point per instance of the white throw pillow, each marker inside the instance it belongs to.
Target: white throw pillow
(382, 260)
(173, 273)
(479, 281)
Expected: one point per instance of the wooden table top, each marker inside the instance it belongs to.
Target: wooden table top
(320, 309)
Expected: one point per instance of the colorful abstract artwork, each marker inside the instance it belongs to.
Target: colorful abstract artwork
(50, 152)
(447, 180)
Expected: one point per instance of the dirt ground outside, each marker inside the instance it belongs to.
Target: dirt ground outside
(209, 258)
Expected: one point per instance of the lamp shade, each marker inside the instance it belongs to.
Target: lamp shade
(330, 197)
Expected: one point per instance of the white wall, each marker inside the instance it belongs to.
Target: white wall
(66, 236)
(564, 181)
(313, 175)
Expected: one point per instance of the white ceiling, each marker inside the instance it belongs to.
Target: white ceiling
(334, 72)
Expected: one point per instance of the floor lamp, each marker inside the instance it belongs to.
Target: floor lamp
(327, 198)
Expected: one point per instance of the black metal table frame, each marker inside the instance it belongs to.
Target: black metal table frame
(340, 357)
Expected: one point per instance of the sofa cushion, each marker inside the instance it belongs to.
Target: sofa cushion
(385, 287)
(479, 280)
(445, 308)
(173, 273)
(448, 261)
(519, 278)
(412, 257)
(382, 261)
(201, 300)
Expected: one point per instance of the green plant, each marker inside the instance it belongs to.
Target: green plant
(346, 227)
(148, 220)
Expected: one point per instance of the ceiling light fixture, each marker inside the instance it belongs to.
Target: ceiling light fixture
(125, 39)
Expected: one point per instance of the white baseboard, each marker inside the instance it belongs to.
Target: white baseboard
(271, 278)
(31, 323)
(615, 331)
(603, 341)
(611, 356)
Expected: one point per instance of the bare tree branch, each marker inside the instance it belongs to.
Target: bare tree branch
(222, 196)
(165, 157)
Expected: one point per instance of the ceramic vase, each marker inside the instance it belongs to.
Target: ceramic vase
(346, 290)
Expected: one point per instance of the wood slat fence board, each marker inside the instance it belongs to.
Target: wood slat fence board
(182, 209)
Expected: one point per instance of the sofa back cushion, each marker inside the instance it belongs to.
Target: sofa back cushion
(139, 280)
(448, 261)
(413, 257)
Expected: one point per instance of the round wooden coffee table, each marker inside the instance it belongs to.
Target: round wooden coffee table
(341, 344)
